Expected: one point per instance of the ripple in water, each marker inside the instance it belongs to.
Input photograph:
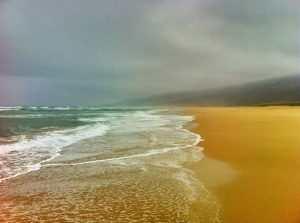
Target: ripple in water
(133, 173)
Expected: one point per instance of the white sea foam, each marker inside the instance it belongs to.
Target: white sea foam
(197, 140)
(38, 151)
(62, 108)
(149, 153)
(27, 116)
(35, 108)
(48, 145)
(97, 119)
(10, 108)
(56, 139)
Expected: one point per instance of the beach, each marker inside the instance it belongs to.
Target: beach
(176, 165)
(251, 161)
(101, 165)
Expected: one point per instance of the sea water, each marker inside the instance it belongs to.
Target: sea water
(128, 161)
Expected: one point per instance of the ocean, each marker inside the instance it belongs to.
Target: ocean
(132, 157)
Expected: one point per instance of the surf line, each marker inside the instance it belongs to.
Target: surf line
(150, 153)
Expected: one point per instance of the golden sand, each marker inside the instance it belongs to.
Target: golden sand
(250, 174)
(261, 146)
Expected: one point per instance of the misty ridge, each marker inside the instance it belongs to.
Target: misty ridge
(274, 91)
(103, 52)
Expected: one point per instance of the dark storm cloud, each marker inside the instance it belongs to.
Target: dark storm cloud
(129, 48)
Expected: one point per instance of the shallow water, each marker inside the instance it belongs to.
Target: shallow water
(131, 170)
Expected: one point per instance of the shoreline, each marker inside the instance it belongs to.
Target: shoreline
(150, 186)
(247, 172)
(250, 161)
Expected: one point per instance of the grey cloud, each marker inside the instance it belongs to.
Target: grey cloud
(148, 47)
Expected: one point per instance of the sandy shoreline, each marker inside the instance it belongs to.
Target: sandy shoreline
(252, 161)
(249, 174)
(142, 179)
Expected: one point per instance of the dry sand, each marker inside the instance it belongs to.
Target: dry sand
(250, 174)
(253, 161)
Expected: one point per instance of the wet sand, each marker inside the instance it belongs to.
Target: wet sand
(252, 162)
(144, 189)
(250, 173)
(93, 193)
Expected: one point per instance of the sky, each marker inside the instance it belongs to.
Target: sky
(94, 52)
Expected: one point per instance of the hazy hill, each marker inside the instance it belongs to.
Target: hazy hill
(272, 91)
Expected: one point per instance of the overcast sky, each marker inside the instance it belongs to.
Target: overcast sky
(56, 52)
